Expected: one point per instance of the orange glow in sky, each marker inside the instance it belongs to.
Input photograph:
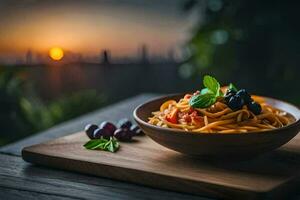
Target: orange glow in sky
(89, 28)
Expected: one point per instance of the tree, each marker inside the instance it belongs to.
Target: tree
(254, 43)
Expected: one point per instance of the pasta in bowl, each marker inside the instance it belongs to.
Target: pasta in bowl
(218, 127)
(219, 118)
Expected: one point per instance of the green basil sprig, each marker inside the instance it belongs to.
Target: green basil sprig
(211, 84)
(208, 96)
(203, 100)
(111, 145)
(232, 87)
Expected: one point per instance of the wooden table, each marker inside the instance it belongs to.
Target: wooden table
(20, 180)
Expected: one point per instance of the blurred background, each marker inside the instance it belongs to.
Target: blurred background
(61, 59)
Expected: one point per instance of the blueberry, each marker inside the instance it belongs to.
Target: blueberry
(229, 94)
(89, 130)
(108, 126)
(123, 134)
(100, 132)
(254, 107)
(244, 95)
(136, 130)
(124, 123)
(235, 102)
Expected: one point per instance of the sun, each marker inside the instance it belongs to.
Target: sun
(56, 53)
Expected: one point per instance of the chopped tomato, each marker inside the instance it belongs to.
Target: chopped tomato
(191, 110)
(172, 116)
(187, 118)
(180, 114)
(194, 114)
(187, 96)
(196, 119)
(197, 92)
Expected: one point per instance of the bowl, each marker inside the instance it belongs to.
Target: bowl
(216, 145)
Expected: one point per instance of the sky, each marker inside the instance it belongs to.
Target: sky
(89, 26)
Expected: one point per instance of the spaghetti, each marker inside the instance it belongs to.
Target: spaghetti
(218, 118)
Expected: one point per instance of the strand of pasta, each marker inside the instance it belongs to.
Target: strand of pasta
(214, 115)
(217, 123)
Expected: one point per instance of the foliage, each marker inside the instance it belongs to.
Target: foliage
(22, 113)
(11, 116)
(252, 42)
(70, 106)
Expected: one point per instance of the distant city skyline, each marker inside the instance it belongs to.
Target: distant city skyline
(89, 27)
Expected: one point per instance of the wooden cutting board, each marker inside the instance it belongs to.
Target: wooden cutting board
(145, 162)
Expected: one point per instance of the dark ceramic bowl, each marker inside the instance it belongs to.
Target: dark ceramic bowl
(214, 144)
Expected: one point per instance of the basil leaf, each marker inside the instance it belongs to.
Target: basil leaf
(212, 84)
(205, 90)
(203, 100)
(105, 146)
(232, 87)
(99, 146)
(94, 143)
(111, 145)
(116, 144)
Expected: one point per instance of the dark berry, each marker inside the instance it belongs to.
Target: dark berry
(236, 102)
(118, 133)
(136, 130)
(227, 97)
(124, 123)
(229, 94)
(244, 95)
(123, 134)
(139, 132)
(127, 136)
(254, 107)
(100, 132)
(108, 126)
(89, 130)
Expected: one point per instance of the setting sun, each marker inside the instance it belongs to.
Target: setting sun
(56, 53)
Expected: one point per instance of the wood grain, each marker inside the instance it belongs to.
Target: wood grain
(16, 194)
(35, 182)
(148, 163)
